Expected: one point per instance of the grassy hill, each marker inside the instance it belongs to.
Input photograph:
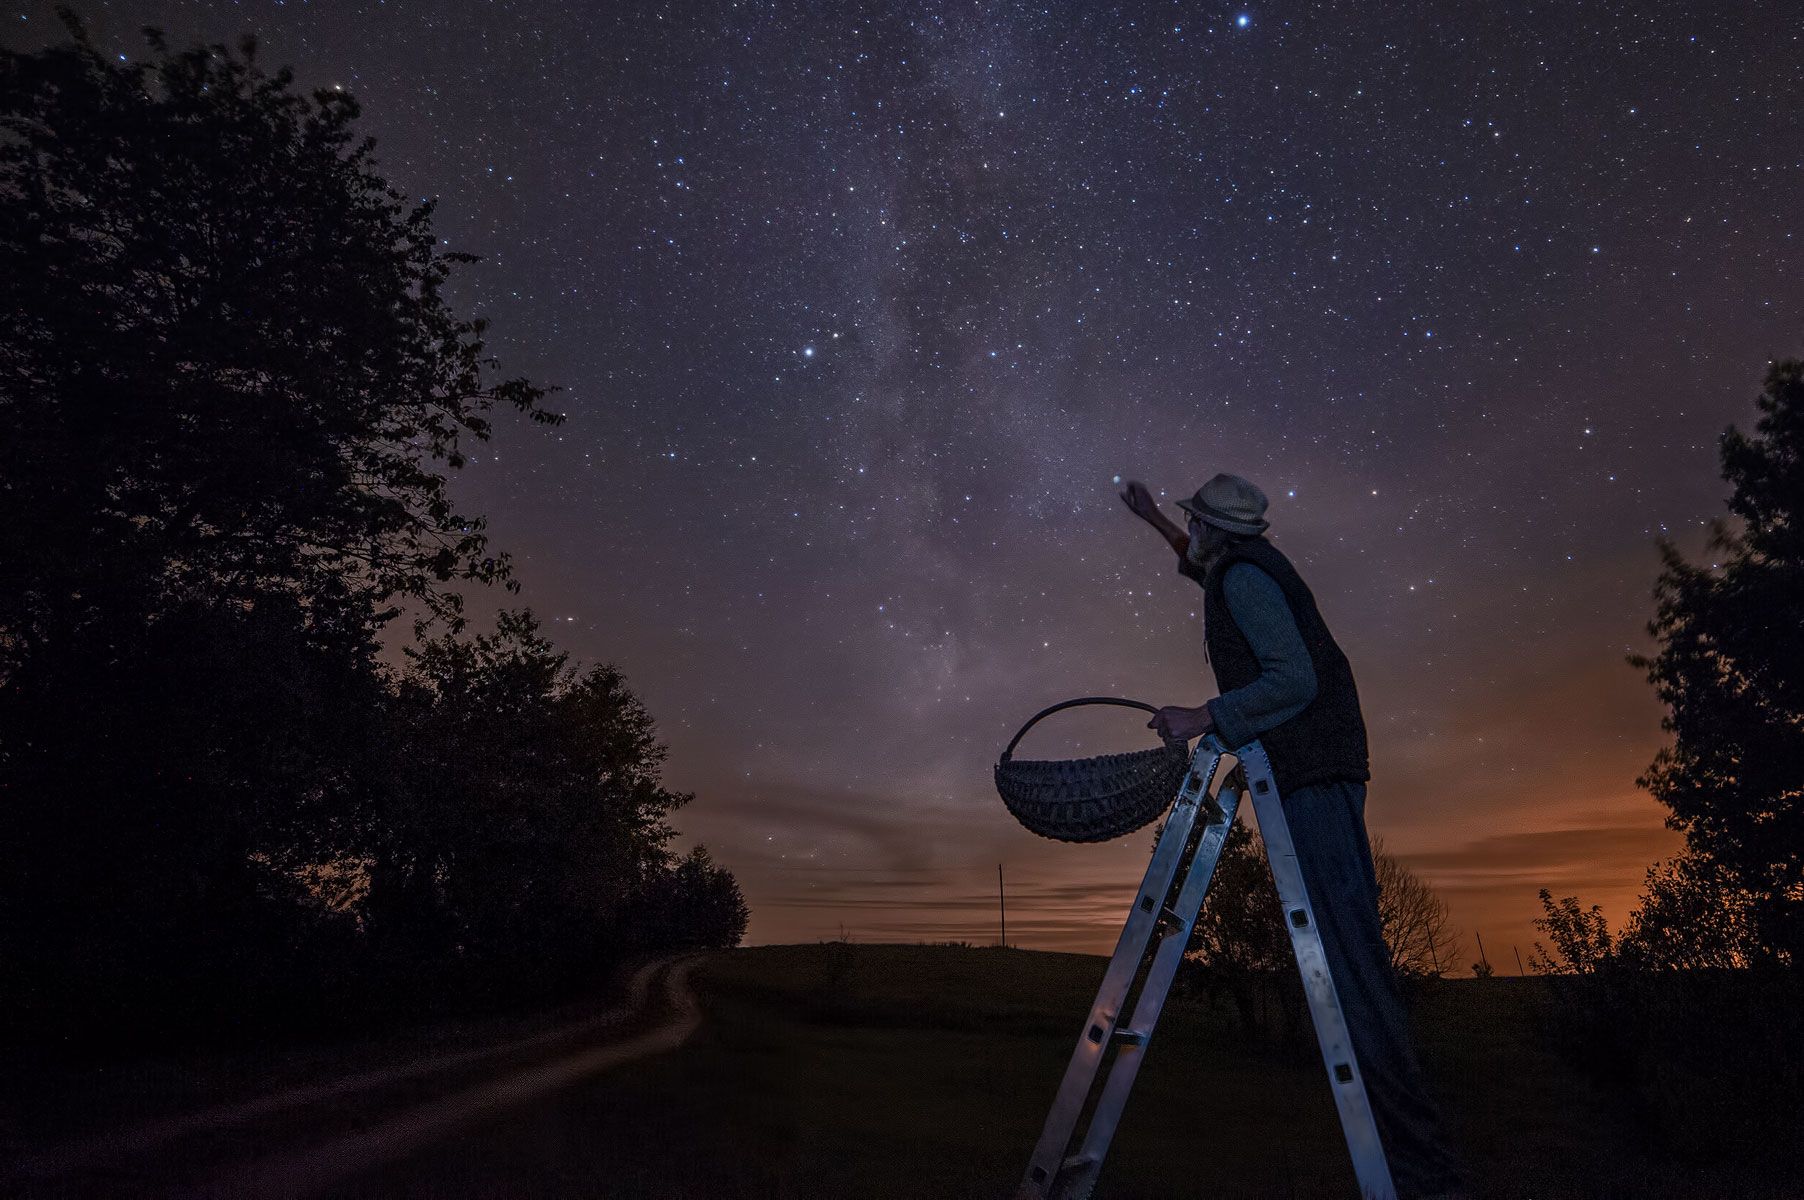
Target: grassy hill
(915, 1071)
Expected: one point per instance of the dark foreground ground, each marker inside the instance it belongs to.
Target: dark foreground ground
(872, 1071)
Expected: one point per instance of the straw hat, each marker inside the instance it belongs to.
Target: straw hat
(1231, 503)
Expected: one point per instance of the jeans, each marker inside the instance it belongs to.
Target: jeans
(1327, 824)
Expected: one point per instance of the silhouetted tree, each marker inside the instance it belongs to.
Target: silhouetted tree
(694, 903)
(1240, 946)
(1689, 919)
(1691, 1011)
(166, 790)
(1730, 670)
(526, 826)
(1418, 929)
(227, 385)
(230, 394)
(1239, 942)
(228, 368)
(1580, 936)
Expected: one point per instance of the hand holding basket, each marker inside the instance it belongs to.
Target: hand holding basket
(1091, 799)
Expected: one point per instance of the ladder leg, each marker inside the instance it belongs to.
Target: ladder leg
(1174, 937)
(1369, 1162)
(1080, 1073)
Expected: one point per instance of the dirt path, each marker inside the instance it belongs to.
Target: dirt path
(405, 1128)
(308, 1171)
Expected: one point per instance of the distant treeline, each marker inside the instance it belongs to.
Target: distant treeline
(230, 394)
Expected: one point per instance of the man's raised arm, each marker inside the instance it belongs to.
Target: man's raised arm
(1136, 496)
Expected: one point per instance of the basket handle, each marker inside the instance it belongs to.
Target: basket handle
(1047, 712)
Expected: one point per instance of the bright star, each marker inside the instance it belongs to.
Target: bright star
(1242, 20)
(807, 351)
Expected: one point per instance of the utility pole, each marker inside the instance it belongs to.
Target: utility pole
(1002, 903)
(1481, 948)
(1519, 969)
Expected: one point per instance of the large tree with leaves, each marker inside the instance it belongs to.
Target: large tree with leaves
(526, 829)
(226, 363)
(230, 392)
(1730, 669)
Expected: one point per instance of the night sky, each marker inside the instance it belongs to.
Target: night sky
(862, 313)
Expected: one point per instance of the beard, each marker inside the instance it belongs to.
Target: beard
(1205, 547)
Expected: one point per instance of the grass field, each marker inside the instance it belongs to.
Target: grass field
(840, 1070)
(916, 1071)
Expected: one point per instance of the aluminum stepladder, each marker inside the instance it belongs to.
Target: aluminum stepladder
(1055, 1172)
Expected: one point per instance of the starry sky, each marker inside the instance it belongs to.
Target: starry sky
(861, 311)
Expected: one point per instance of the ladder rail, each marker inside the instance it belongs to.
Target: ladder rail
(1131, 1051)
(1370, 1165)
(1068, 1104)
(1052, 1176)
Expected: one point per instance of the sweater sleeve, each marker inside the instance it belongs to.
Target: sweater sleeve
(1286, 682)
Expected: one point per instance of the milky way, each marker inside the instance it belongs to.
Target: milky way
(860, 314)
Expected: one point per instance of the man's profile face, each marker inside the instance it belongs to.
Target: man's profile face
(1206, 543)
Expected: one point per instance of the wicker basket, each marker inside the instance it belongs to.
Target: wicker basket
(1091, 799)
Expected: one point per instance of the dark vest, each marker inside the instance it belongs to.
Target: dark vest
(1327, 740)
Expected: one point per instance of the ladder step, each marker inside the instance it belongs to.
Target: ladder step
(1131, 1037)
(1077, 1162)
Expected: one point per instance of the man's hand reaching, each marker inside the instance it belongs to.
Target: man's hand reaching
(1141, 503)
(1140, 500)
(1177, 723)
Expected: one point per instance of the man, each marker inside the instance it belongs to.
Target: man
(1283, 680)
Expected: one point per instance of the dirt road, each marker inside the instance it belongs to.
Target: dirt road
(403, 1108)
